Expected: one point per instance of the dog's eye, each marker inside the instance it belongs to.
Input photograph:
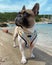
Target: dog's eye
(26, 14)
(19, 14)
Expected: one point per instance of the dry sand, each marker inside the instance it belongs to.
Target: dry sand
(11, 56)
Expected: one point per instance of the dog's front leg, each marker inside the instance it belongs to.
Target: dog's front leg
(21, 47)
(15, 36)
(32, 47)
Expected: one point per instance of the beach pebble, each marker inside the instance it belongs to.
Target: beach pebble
(3, 59)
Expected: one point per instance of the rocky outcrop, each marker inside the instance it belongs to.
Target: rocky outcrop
(3, 25)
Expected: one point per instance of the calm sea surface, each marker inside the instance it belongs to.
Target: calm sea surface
(44, 34)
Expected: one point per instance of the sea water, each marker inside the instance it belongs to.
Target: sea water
(44, 32)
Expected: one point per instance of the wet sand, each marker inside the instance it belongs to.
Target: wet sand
(12, 56)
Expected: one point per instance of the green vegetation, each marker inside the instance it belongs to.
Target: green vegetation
(40, 18)
(10, 16)
(4, 17)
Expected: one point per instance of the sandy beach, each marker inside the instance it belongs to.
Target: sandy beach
(11, 56)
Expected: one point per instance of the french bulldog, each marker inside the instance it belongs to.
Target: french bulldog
(25, 30)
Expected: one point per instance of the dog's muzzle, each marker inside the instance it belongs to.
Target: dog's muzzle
(18, 20)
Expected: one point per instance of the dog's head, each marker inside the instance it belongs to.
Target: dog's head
(25, 18)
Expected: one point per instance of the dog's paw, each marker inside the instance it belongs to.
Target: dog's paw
(14, 45)
(32, 55)
(23, 61)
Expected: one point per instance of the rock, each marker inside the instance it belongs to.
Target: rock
(3, 25)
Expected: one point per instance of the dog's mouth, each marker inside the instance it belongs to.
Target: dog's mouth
(25, 23)
(18, 21)
(22, 23)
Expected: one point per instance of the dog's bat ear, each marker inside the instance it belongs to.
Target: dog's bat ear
(36, 9)
(24, 8)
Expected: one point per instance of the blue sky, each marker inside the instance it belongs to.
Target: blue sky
(16, 5)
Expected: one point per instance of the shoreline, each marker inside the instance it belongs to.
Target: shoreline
(6, 24)
(45, 49)
(9, 24)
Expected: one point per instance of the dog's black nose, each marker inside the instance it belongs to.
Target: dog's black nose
(18, 20)
(19, 15)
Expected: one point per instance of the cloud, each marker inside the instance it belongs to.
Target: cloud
(1, 0)
(16, 5)
(4, 0)
(8, 8)
(49, 8)
(42, 4)
(5, 7)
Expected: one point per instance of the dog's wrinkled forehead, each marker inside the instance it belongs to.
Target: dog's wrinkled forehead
(28, 11)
